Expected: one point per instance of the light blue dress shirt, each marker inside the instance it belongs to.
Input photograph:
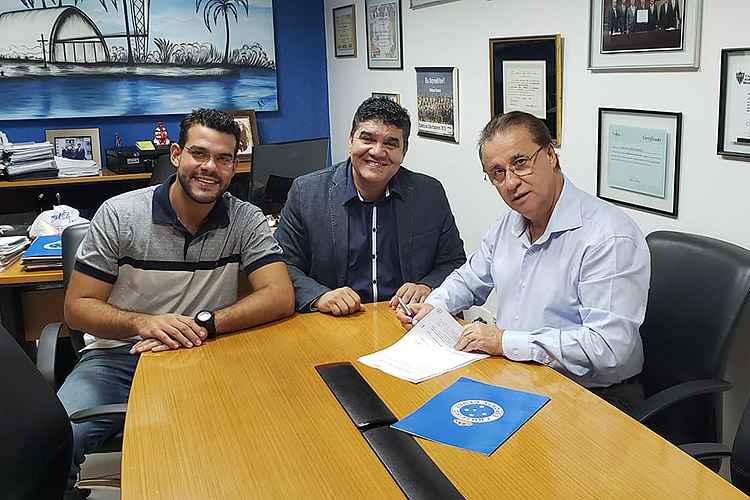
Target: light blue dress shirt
(574, 299)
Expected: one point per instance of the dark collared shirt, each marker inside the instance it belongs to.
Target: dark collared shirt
(373, 263)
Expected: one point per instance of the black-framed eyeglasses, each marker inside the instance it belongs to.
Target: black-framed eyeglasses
(521, 166)
(201, 156)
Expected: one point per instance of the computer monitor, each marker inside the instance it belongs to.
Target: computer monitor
(275, 166)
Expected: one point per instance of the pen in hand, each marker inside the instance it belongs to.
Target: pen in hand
(407, 310)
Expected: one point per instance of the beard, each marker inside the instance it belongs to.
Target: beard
(203, 198)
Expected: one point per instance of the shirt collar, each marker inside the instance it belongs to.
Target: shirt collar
(350, 190)
(565, 216)
(163, 213)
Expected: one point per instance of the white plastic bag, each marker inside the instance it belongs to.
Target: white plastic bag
(52, 222)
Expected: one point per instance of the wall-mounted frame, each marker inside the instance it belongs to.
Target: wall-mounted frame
(76, 143)
(249, 130)
(384, 38)
(526, 75)
(437, 103)
(734, 103)
(388, 95)
(670, 38)
(639, 159)
(345, 31)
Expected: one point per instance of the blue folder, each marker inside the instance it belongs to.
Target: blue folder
(44, 247)
(472, 415)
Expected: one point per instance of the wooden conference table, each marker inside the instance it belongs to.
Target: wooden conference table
(247, 416)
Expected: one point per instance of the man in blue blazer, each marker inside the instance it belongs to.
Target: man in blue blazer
(367, 229)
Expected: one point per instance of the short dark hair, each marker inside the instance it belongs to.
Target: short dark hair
(384, 110)
(538, 130)
(213, 119)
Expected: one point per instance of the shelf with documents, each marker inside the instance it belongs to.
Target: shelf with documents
(15, 275)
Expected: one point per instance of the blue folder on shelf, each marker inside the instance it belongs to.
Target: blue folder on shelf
(44, 248)
(472, 415)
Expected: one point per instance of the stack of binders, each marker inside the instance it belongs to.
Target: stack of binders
(10, 249)
(43, 254)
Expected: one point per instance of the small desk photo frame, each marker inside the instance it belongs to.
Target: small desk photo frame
(76, 143)
(526, 75)
(388, 95)
(639, 159)
(651, 45)
(248, 132)
(345, 31)
(385, 48)
(734, 104)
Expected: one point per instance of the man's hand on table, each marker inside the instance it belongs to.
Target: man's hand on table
(481, 337)
(167, 331)
(339, 302)
(411, 293)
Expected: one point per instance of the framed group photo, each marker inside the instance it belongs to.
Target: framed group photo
(437, 103)
(644, 34)
(384, 37)
(639, 159)
(734, 103)
(249, 132)
(76, 143)
(345, 31)
(526, 75)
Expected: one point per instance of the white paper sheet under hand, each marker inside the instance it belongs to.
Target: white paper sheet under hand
(426, 351)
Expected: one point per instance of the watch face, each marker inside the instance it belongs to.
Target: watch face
(204, 316)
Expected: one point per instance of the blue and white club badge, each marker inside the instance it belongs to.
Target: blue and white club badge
(54, 245)
(475, 411)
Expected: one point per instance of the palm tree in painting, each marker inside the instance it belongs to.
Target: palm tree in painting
(212, 9)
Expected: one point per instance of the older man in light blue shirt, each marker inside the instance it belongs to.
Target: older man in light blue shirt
(570, 270)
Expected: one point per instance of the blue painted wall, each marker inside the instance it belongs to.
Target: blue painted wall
(302, 89)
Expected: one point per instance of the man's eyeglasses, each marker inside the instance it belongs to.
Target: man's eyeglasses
(521, 166)
(201, 156)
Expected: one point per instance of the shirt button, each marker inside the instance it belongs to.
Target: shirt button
(373, 230)
(373, 256)
(374, 282)
(516, 318)
(523, 284)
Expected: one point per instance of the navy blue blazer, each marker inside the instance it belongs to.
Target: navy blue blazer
(314, 232)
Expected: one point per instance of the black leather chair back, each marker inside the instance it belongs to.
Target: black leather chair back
(36, 442)
(163, 168)
(71, 240)
(698, 301)
(740, 461)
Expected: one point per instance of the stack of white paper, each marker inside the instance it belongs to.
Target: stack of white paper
(426, 351)
(11, 248)
(76, 168)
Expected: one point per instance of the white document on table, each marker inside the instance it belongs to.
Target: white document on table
(426, 351)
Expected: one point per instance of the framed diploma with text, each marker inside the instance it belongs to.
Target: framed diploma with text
(384, 41)
(345, 31)
(639, 159)
(734, 103)
(526, 75)
(437, 103)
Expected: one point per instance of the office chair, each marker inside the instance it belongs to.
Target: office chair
(37, 443)
(48, 364)
(163, 168)
(739, 455)
(697, 304)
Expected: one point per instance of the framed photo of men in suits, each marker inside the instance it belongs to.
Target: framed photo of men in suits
(644, 34)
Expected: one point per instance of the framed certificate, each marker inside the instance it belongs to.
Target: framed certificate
(734, 104)
(526, 75)
(384, 42)
(345, 31)
(639, 159)
(437, 103)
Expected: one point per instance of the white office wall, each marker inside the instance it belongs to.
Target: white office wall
(714, 195)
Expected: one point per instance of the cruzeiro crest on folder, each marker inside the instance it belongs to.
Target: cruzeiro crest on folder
(740, 77)
(53, 245)
(475, 411)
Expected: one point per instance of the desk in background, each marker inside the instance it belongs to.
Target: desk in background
(247, 416)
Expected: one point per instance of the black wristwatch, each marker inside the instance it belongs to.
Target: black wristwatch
(206, 320)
